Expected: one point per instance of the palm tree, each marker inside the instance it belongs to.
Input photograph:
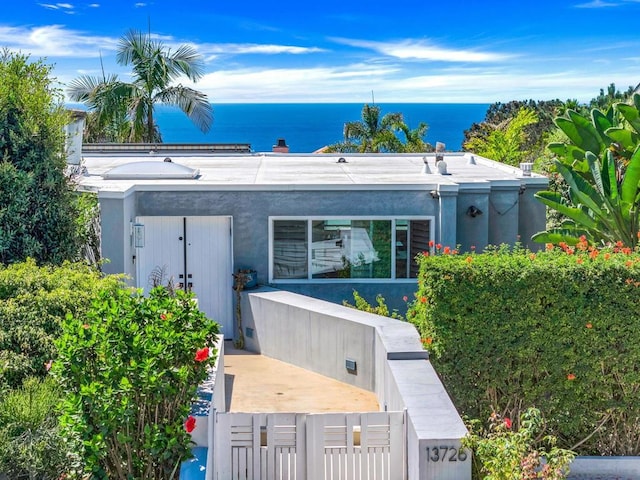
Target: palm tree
(371, 134)
(414, 139)
(155, 68)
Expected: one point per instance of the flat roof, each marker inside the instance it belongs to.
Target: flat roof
(306, 171)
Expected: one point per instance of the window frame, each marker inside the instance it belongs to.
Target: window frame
(310, 219)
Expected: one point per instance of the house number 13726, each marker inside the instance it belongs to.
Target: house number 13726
(446, 453)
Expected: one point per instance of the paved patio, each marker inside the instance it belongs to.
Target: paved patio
(255, 383)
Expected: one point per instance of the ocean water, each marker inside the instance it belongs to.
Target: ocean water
(307, 127)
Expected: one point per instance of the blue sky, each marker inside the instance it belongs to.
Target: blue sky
(341, 51)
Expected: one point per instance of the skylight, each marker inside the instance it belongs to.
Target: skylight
(150, 170)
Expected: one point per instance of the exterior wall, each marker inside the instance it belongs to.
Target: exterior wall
(532, 218)
(116, 216)
(504, 210)
(251, 211)
(473, 231)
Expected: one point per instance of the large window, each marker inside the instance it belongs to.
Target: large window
(343, 248)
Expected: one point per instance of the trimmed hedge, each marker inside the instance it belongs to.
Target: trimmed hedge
(33, 302)
(558, 330)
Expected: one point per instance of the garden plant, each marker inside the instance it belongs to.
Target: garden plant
(130, 368)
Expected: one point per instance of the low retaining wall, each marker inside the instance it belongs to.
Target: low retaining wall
(605, 468)
(375, 353)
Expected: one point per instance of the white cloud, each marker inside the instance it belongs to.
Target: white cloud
(140, 4)
(422, 50)
(94, 5)
(597, 4)
(54, 41)
(57, 6)
(254, 48)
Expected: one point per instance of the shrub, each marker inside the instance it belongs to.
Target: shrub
(557, 330)
(130, 368)
(381, 308)
(33, 302)
(505, 452)
(30, 442)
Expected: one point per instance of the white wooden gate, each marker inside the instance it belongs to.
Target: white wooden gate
(297, 446)
(196, 255)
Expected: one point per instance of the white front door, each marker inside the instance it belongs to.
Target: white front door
(195, 254)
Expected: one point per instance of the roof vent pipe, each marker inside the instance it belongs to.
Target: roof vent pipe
(73, 136)
(426, 170)
(472, 160)
(440, 151)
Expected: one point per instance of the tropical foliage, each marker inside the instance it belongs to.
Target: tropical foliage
(507, 143)
(528, 134)
(37, 204)
(130, 368)
(600, 162)
(124, 111)
(377, 133)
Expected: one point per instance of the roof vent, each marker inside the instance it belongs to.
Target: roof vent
(342, 160)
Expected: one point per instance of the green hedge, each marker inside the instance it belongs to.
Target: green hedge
(33, 302)
(558, 330)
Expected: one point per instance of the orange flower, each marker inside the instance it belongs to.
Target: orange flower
(447, 250)
(423, 299)
(85, 325)
(431, 243)
(588, 325)
(571, 376)
(549, 246)
(626, 251)
(532, 256)
(439, 246)
(468, 259)
(607, 256)
(579, 260)
(619, 244)
(427, 341)
(628, 263)
(593, 254)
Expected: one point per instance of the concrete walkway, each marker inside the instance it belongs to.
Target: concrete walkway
(259, 384)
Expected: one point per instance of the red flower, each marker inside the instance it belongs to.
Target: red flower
(405, 298)
(472, 247)
(202, 354)
(431, 243)
(571, 376)
(439, 246)
(423, 299)
(163, 316)
(447, 250)
(507, 422)
(190, 424)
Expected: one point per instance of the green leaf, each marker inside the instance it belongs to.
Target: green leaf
(625, 138)
(601, 121)
(631, 114)
(580, 131)
(556, 201)
(569, 153)
(631, 178)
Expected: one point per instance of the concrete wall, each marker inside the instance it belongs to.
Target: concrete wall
(116, 217)
(320, 336)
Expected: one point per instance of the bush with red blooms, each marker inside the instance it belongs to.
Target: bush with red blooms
(503, 452)
(131, 367)
(558, 329)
